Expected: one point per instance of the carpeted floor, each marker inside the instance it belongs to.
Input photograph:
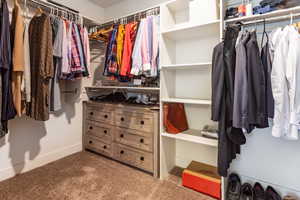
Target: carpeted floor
(86, 176)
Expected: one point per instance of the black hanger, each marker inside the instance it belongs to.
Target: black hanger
(264, 33)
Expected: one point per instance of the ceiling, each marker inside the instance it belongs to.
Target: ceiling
(106, 3)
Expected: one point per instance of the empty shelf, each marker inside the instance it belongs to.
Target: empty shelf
(187, 101)
(192, 136)
(186, 66)
(187, 30)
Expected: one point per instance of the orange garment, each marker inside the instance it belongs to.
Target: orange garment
(120, 44)
(130, 34)
(18, 56)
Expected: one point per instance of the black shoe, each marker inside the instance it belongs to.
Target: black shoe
(271, 194)
(234, 187)
(246, 192)
(259, 192)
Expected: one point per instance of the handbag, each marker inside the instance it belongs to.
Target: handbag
(175, 120)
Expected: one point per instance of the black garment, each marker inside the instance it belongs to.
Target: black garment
(8, 110)
(267, 64)
(257, 111)
(222, 99)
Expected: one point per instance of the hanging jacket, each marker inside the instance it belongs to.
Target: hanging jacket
(267, 64)
(240, 105)
(256, 85)
(8, 111)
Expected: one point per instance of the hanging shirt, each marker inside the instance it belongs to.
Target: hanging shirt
(137, 60)
(130, 35)
(27, 77)
(86, 48)
(8, 111)
(146, 46)
(293, 82)
(155, 47)
(18, 56)
(120, 44)
(112, 64)
(279, 85)
(55, 98)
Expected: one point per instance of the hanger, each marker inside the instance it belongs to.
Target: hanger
(264, 33)
(39, 11)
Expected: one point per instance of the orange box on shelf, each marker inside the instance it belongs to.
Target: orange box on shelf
(202, 178)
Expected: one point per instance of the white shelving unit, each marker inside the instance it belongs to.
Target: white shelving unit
(186, 101)
(186, 49)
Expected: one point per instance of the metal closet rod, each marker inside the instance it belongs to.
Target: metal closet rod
(271, 19)
(129, 18)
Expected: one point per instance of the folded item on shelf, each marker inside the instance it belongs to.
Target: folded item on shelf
(232, 12)
(271, 3)
(262, 10)
(210, 131)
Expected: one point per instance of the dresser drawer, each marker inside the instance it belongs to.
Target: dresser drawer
(139, 159)
(128, 137)
(98, 146)
(134, 121)
(97, 115)
(99, 130)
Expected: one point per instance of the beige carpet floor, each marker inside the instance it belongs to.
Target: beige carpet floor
(87, 176)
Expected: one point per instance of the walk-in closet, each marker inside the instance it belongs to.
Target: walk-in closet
(149, 99)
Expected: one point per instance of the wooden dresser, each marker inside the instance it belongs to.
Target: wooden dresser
(126, 133)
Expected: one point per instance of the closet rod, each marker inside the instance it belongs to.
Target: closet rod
(272, 19)
(129, 18)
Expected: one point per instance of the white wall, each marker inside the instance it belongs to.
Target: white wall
(127, 7)
(85, 7)
(31, 144)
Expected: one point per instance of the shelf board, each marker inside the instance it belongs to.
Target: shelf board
(126, 88)
(186, 101)
(193, 136)
(177, 5)
(277, 13)
(187, 66)
(188, 30)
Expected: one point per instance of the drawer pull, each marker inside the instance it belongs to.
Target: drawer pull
(122, 152)
(91, 128)
(122, 119)
(105, 116)
(92, 113)
(91, 142)
(104, 147)
(142, 141)
(142, 158)
(105, 131)
(142, 122)
(121, 136)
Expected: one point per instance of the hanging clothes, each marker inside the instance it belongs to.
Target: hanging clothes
(120, 45)
(8, 111)
(130, 35)
(26, 88)
(86, 49)
(155, 46)
(18, 56)
(55, 94)
(111, 65)
(230, 138)
(42, 70)
(137, 60)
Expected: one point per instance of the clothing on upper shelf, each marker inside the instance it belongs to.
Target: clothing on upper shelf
(132, 49)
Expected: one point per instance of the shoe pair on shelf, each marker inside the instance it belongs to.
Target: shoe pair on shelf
(237, 191)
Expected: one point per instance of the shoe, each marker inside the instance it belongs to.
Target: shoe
(234, 187)
(259, 192)
(246, 192)
(271, 194)
(288, 197)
